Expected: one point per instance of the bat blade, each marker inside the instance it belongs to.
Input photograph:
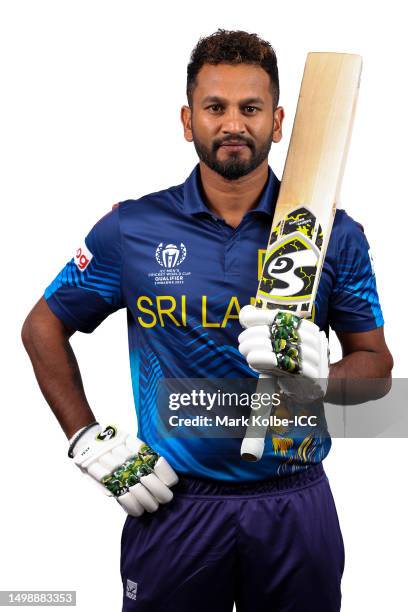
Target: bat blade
(308, 193)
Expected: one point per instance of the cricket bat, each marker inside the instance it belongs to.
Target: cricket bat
(308, 193)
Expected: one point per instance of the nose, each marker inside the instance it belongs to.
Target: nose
(233, 122)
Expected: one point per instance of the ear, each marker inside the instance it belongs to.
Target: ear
(278, 117)
(185, 116)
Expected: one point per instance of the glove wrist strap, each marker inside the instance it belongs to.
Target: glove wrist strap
(78, 436)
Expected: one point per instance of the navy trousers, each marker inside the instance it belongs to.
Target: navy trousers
(271, 546)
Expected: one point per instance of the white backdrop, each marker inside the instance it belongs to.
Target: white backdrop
(90, 100)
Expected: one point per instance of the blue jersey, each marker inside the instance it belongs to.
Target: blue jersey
(183, 274)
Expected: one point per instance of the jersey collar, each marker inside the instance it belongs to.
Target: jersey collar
(194, 203)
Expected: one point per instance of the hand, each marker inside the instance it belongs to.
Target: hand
(279, 343)
(127, 468)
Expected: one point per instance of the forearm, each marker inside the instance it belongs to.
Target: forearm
(359, 376)
(58, 375)
(362, 364)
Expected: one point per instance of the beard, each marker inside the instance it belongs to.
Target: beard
(234, 167)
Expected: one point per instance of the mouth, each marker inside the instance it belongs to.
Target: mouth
(234, 146)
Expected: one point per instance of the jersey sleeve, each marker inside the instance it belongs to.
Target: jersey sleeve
(88, 288)
(354, 303)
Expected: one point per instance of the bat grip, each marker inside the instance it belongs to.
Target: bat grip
(253, 444)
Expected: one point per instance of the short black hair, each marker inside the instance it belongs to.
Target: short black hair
(233, 47)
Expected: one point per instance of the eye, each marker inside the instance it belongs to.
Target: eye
(250, 110)
(215, 108)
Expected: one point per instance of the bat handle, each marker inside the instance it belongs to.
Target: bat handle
(253, 444)
(252, 448)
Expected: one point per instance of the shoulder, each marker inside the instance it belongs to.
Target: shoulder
(170, 198)
(107, 224)
(134, 213)
(344, 224)
(347, 232)
(104, 239)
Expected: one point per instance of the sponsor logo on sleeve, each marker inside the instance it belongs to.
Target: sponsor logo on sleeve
(82, 257)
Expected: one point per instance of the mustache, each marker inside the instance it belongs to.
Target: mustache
(218, 142)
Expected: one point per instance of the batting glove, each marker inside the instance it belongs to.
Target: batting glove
(125, 467)
(280, 343)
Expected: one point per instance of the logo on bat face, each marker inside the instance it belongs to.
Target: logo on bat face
(292, 258)
(290, 269)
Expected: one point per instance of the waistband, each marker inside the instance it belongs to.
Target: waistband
(188, 485)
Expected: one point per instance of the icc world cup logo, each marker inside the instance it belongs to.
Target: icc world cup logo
(170, 255)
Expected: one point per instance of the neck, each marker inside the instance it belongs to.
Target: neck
(231, 200)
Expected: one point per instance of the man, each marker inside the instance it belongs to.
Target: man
(182, 261)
